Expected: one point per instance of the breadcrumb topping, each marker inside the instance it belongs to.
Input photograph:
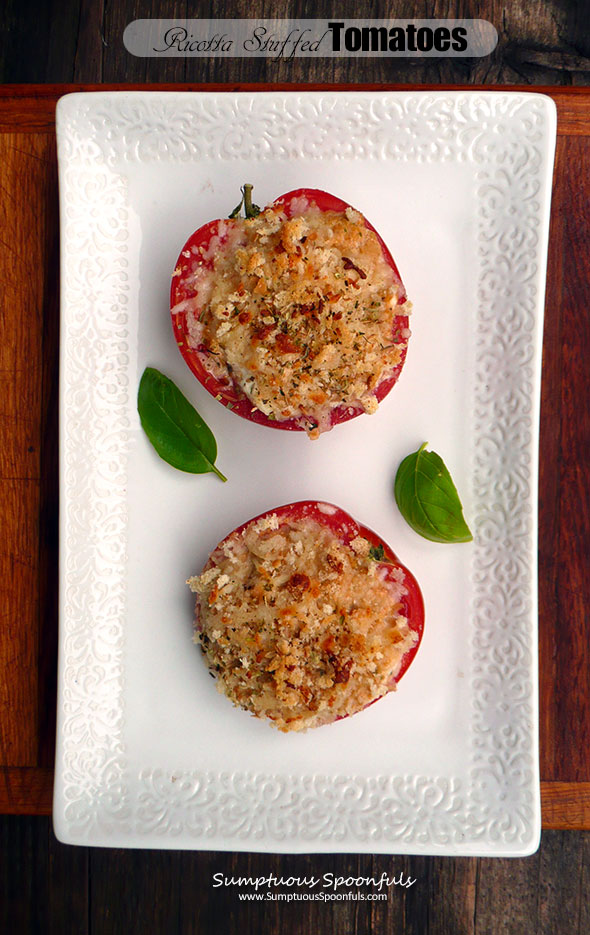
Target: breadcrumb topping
(299, 312)
(297, 626)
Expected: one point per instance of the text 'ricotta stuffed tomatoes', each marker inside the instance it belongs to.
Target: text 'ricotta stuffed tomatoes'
(295, 316)
(305, 616)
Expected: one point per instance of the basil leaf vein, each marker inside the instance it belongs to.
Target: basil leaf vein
(174, 427)
(428, 500)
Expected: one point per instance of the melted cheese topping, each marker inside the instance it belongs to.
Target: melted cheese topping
(297, 626)
(300, 313)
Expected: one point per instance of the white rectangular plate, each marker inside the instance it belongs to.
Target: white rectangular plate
(148, 753)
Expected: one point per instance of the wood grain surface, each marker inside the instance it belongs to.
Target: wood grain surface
(28, 224)
(28, 464)
(87, 891)
(540, 42)
(564, 516)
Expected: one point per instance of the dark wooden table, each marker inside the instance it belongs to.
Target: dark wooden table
(28, 270)
(47, 887)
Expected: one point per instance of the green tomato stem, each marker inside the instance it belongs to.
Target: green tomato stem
(250, 210)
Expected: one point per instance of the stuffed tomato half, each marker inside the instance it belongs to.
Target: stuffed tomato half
(305, 616)
(295, 317)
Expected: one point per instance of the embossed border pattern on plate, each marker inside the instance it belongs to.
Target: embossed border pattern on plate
(507, 139)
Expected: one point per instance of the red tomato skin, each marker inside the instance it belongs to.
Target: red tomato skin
(346, 529)
(230, 395)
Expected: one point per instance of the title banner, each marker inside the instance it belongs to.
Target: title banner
(305, 38)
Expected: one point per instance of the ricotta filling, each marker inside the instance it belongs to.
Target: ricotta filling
(297, 626)
(300, 313)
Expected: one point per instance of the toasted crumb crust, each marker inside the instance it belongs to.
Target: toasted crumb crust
(298, 626)
(299, 312)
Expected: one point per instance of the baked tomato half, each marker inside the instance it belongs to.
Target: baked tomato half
(294, 317)
(305, 616)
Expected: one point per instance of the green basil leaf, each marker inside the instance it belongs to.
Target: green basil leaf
(377, 552)
(174, 427)
(428, 499)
